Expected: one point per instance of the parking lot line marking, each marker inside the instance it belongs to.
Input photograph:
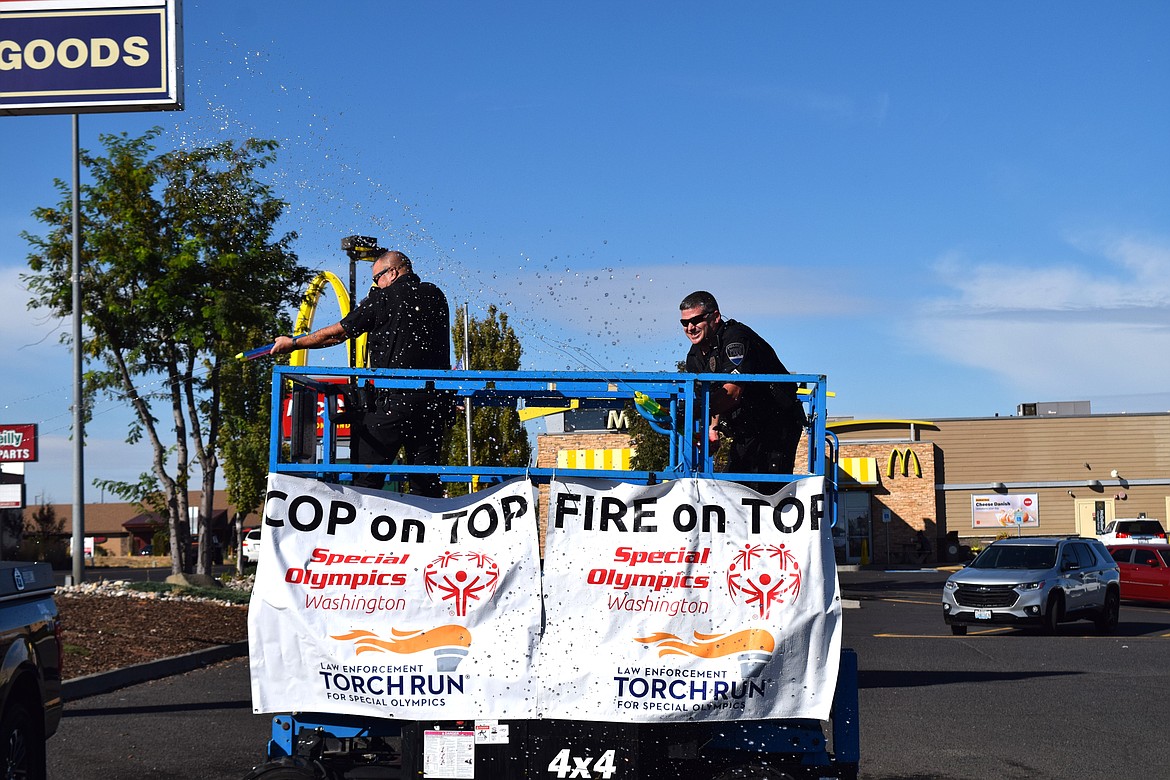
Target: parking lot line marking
(909, 601)
(1005, 629)
(981, 632)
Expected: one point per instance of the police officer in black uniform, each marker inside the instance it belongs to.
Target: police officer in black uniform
(408, 322)
(764, 420)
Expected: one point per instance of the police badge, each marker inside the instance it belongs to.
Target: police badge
(735, 352)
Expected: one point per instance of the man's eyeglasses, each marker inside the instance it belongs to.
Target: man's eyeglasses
(695, 320)
(383, 272)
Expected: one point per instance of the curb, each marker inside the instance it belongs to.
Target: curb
(105, 682)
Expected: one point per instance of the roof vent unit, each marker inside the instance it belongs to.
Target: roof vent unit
(1053, 409)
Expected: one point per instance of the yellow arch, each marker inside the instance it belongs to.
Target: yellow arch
(304, 323)
(908, 458)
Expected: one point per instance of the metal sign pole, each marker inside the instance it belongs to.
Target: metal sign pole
(353, 301)
(78, 400)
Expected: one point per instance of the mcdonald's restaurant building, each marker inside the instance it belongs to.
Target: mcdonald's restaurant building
(1053, 469)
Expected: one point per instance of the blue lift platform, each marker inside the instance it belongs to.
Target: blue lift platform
(331, 746)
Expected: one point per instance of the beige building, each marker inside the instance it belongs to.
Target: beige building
(1065, 474)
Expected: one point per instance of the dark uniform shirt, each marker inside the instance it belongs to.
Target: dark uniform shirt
(408, 325)
(737, 349)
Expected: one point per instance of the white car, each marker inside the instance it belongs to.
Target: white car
(251, 547)
(1134, 530)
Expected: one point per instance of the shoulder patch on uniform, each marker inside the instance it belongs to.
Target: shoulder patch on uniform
(735, 352)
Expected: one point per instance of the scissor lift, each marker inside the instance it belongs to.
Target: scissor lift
(325, 746)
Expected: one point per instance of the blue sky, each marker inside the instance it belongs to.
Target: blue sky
(948, 209)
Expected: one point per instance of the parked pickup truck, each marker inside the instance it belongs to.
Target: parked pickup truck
(30, 672)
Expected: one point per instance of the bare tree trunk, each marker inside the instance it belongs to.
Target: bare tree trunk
(207, 542)
(208, 461)
(180, 534)
(174, 491)
(177, 532)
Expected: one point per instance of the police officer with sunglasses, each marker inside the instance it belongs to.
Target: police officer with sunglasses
(764, 420)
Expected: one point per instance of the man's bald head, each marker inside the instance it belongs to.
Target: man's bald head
(390, 267)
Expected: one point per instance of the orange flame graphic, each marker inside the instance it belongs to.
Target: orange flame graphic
(712, 645)
(405, 642)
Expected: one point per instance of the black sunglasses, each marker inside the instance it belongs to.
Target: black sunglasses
(382, 273)
(696, 319)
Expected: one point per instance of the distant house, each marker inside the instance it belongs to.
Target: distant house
(142, 527)
(123, 529)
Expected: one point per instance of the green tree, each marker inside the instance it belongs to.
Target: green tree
(11, 532)
(44, 533)
(179, 264)
(244, 444)
(498, 437)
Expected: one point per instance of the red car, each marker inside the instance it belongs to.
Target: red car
(1145, 571)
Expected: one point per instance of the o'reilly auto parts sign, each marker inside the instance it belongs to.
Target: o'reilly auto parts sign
(18, 443)
(81, 56)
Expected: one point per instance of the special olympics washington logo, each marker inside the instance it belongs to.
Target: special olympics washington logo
(761, 576)
(461, 578)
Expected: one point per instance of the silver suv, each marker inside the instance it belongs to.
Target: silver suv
(1035, 581)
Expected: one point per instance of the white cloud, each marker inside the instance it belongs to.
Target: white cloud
(1126, 274)
(1059, 332)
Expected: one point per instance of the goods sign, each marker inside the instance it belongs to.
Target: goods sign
(80, 56)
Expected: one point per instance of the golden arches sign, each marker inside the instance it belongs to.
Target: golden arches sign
(907, 458)
(308, 309)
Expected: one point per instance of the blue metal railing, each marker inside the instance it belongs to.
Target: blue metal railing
(686, 399)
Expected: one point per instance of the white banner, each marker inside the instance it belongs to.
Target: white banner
(392, 606)
(689, 600)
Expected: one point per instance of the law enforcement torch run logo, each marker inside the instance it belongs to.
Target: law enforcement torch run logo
(460, 580)
(449, 643)
(751, 647)
(761, 577)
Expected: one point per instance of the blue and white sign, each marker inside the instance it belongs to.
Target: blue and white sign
(58, 56)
